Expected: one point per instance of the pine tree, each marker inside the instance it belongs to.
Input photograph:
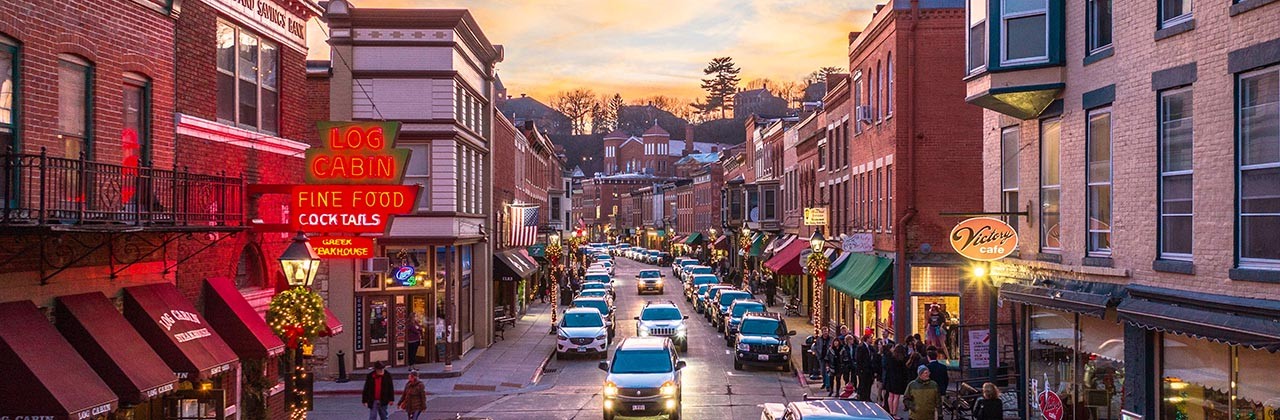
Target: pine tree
(722, 84)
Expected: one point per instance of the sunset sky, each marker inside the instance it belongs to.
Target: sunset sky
(650, 47)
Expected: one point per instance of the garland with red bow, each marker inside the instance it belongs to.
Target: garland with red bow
(297, 315)
(816, 264)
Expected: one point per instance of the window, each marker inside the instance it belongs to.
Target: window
(873, 93)
(135, 138)
(770, 203)
(1025, 31)
(1173, 12)
(8, 93)
(74, 106)
(857, 100)
(977, 37)
(879, 86)
(879, 203)
(1259, 154)
(1098, 180)
(248, 86)
(1009, 149)
(419, 173)
(1050, 185)
(888, 192)
(1175, 174)
(822, 156)
(1099, 23)
(844, 139)
(888, 94)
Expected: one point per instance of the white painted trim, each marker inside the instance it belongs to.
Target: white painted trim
(222, 133)
(888, 160)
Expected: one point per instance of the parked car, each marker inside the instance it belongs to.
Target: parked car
(663, 319)
(826, 409)
(733, 318)
(582, 331)
(599, 277)
(649, 280)
(694, 270)
(691, 285)
(603, 305)
(763, 340)
(721, 305)
(700, 301)
(643, 379)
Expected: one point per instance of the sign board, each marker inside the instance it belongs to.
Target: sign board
(979, 349)
(356, 153)
(804, 256)
(815, 216)
(538, 250)
(984, 239)
(858, 242)
(330, 247)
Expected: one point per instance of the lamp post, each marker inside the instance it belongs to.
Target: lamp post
(553, 256)
(817, 265)
(300, 264)
(981, 272)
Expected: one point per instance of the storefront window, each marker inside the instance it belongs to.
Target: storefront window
(1101, 367)
(378, 314)
(1195, 380)
(1051, 363)
(1257, 392)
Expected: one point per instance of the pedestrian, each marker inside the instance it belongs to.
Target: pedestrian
(896, 377)
(413, 400)
(990, 407)
(914, 361)
(379, 391)
(850, 367)
(413, 336)
(820, 349)
(922, 396)
(835, 365)
(937, 370)
(864, 365)
(770, 290)
(883, 357)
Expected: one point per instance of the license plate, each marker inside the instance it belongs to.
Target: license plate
(582, 349)
(638, 407)
(762, 356)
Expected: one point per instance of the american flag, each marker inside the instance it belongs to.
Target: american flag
(524, 225)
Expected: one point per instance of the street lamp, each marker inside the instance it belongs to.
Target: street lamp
(816, 264)
(553, 256)
(816, 242)
(300, 262)
(980, 272)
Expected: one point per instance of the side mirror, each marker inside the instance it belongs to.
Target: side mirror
(679, 365)
(637, 318)
(792, 332)
(603, 366)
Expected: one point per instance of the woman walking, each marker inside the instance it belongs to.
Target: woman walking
(990, 407)
(896, 378)
(414, 398)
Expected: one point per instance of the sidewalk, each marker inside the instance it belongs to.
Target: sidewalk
(507, 365)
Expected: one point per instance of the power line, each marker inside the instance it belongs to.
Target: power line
(325, 29)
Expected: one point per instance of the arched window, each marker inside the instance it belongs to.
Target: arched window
(75, 105)
(251, 268)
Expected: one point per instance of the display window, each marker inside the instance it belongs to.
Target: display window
(1201, 379)
(936, 319)
(1075, 366)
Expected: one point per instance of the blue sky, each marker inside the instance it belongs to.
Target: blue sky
(645, 48)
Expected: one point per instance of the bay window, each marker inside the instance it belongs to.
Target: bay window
(1024, 31)
(1175, 174)
(1259, 168)
(977, 35)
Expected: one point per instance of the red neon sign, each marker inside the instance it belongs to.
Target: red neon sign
(331, 247)
(356, 153)
(389, 199)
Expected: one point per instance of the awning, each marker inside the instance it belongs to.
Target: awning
(1085, 298)
(863, 277)
(787, 260)
(721, 243)
(43, 374)
(331, 323)
(757, 245)
(693, 238)
(1230, 320)
(512, 265)
(93, 326)
(178, 334)
(777, 244)
(237, 322)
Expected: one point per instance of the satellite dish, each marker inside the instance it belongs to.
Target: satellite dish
(755, 214)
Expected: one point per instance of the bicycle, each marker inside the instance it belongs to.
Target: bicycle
(959, 404)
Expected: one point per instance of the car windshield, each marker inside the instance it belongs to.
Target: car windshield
(604, 257)
(707, 279)
(594, 293)
(603, 278)
(582, 320)
(641, 361)
(744, 307)
(687, 263)
(702, 270)
(594, 285)
(728, 297)
(660, 314)
(599, 305)
(703, 289)
(761, 326)
(648, 274)
(711, 291)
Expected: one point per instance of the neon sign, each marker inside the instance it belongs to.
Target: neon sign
(357, 153)
(405, 275)
(331, 247)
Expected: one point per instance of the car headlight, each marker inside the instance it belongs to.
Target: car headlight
(610, 390)
(602, 337)
(668, 388)
(743, 347)
(784, 348)
(562, 335)
(681, 330)
(643, 331)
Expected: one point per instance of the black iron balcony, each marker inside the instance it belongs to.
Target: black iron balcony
(39, 190)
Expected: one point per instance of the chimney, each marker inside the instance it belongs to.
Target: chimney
(688, 139)
(522, 95)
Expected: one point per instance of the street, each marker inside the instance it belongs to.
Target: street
(570, 388)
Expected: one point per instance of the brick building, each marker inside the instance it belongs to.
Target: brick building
(1135, 142)
(523, 179)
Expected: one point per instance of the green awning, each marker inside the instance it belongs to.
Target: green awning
(863, 277)
(693, 238)
(757, 245)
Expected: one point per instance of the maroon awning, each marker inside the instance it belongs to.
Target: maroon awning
(237, 322)
(113, 348)
(787, 261)
(332, 324)
(721, 243)
(43, 375)
(178, 334)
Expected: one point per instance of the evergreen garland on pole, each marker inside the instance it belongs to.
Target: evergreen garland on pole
(297, 315)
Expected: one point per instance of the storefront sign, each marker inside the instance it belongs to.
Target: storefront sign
(404, 274)
(858, 242)
(265, 16)
(815, 216)
(329, 247)
(154, 392)
(356, 153)
(1050, 405)
(538, 250)
(979, 349)
(984, 239)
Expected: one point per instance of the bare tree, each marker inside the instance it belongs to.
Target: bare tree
(764, 83)
(793, 92)
(576, 104)
(820, 75)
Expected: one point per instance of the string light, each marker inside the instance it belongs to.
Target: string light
(816, 264)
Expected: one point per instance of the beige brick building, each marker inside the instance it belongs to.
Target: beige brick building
(1142, 144)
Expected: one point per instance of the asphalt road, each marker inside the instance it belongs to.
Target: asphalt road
(570, 389)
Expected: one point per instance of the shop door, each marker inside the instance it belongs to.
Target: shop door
(422, 309)
(378, 323)
(195, 405)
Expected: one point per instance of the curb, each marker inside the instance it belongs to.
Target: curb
(537, 374)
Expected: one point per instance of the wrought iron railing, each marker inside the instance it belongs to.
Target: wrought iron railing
(42, 190)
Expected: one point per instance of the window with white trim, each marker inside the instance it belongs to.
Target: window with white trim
(1259, 168)
(1098, 183)
(1050, 185)
(1173, 12)
(1024, 30)
(1175, 141)
(419, 173)
(977, 36)
(1009, 148)
(248, 85)
(1098, 14)
(888, 201)
(888, 94)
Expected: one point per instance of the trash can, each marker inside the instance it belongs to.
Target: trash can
(810, 362)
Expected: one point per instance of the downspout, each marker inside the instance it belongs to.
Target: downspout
(902, 282)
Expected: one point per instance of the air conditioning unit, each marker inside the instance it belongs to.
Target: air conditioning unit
(377, 265)
(862, 113)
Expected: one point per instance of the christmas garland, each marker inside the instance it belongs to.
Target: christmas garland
(816, 264)
(744, 242)
(296, 315)
(553, 253)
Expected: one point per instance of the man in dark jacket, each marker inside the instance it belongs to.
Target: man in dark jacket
(379, 391)
(820, 349)
(937, 370)
(865, 367)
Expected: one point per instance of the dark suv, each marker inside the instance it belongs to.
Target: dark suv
(763, 340)
(643, 380)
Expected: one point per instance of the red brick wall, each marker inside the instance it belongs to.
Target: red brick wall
(116, 36)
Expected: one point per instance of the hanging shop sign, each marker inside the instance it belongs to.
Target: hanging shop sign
(984, 239)
(815, 216)
(332, 247)
(357, 153)
(858, 242)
